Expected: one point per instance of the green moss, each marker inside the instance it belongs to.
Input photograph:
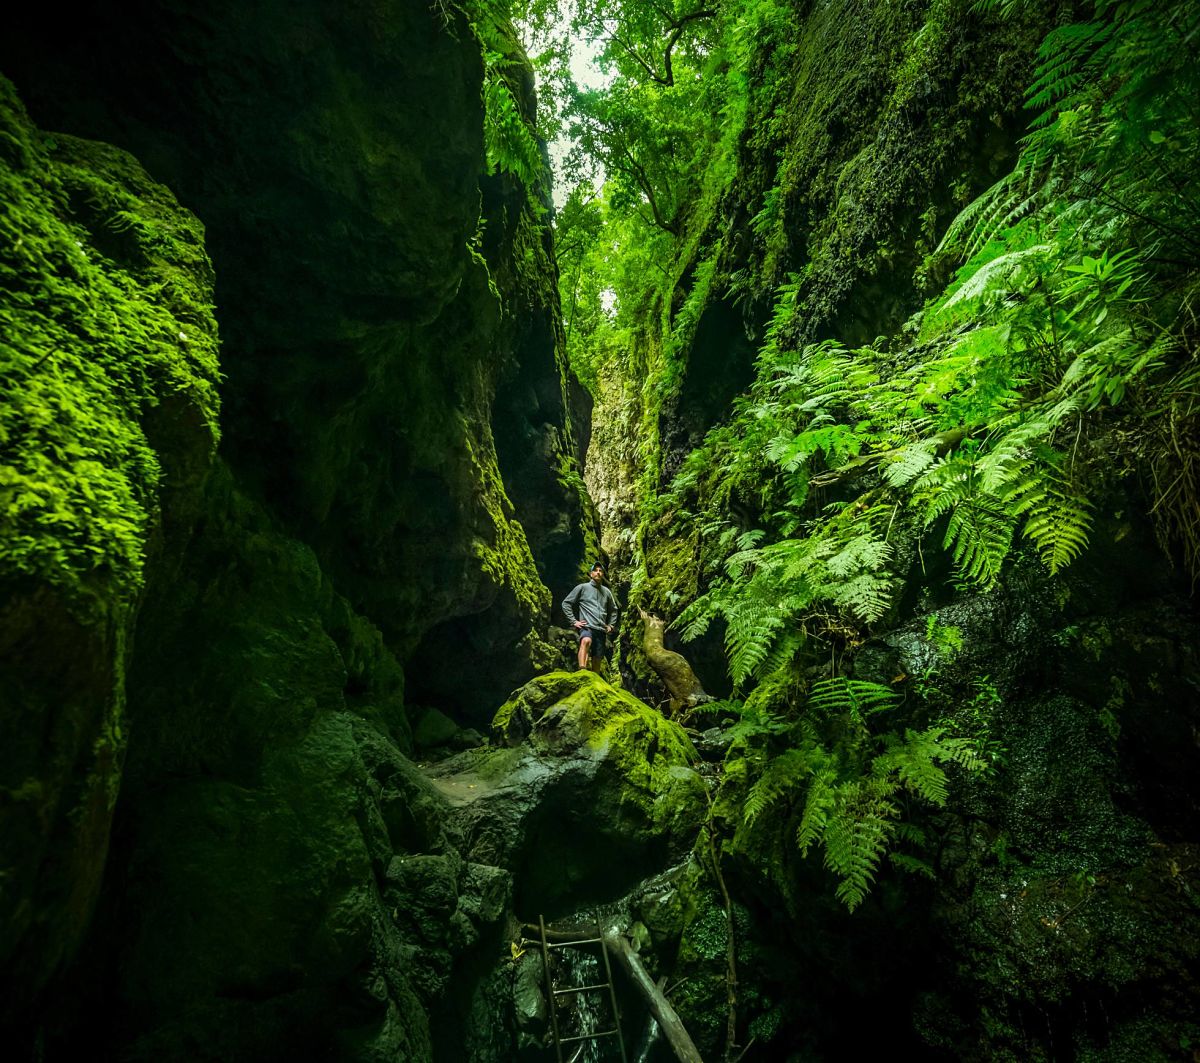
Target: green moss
(504, 556)
(107, 314)
(650, 754)
(669, 574)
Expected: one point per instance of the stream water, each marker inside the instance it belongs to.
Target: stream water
(580, 1014)
(590, 1012)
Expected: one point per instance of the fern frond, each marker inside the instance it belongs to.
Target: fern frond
(781, 655)
(1015, 196)
(911, 833)
(1057, 520)
(693, 622)
(912, 865)
(948, 481)
(841, 695)
(784, 774)
(996, 276)
(855, 839)
(979, 535)
(910, 463)
(818, 804)
(752, 626)
(737, 563)
(915, 762)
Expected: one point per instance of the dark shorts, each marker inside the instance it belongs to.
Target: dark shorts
(597, 636)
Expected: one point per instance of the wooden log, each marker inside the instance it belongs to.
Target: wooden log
(620, 947)
(669, 1022)
(673, 669)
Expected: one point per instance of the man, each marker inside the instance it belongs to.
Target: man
(593, 612)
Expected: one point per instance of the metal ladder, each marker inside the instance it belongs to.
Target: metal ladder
(554, 994)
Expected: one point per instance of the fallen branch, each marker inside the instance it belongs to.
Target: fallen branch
(677, 676)
(620, 947)
(668, 1021)
(652, 1032)
(730, 942)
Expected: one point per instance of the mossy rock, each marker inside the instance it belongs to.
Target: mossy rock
(108, 350)
(591, 791)
(569, 711)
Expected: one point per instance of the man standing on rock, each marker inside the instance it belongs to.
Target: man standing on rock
(593, 612)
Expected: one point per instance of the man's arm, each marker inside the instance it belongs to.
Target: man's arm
(614, 611)
(569, 604)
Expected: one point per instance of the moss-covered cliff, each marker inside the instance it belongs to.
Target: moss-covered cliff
(211, 661)
(109, 425)
(357, 303)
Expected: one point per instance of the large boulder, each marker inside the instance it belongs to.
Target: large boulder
(590, 791)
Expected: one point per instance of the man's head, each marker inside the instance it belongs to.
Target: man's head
(596, 572)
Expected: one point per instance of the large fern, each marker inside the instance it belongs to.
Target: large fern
(1113, 123)
(856, 836)
(510, 139)
(783, 775)
(852, 787)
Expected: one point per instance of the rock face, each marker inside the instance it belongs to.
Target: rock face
(590, 792)
(244, 632)
(369, 311)
(848, 169)
(1064, 882)
(107, 427)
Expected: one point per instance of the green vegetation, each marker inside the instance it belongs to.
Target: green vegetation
(109, 315)
(853, 778)
(1056, 360)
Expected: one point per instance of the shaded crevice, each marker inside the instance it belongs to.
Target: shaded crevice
(720, 367)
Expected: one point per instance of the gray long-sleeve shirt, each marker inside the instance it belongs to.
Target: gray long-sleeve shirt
(592, 603)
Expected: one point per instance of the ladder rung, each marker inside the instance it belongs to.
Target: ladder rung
(588, 1036)
(571, 944)
(581, 988)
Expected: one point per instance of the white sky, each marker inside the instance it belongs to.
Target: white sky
(585, 70)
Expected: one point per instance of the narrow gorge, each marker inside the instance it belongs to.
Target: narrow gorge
(856, 339)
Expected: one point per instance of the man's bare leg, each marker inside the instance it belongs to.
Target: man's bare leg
(585, 646)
